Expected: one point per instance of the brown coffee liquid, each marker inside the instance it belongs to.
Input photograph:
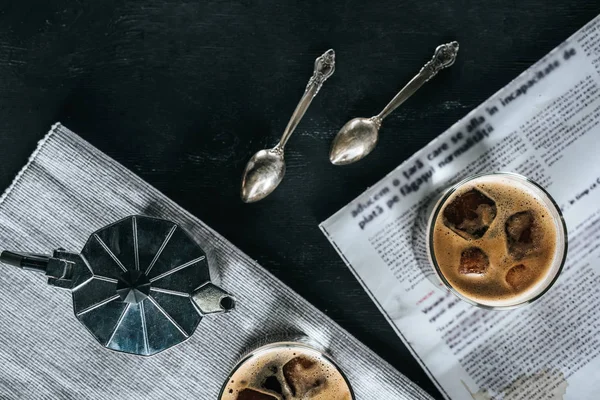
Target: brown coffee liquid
(287, 372)
(495, 241)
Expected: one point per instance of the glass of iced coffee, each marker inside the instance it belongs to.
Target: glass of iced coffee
(292, 369)
(497, 240)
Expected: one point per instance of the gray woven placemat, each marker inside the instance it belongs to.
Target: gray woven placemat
(68, 190)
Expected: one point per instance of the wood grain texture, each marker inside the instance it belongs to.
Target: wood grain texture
(184, 92)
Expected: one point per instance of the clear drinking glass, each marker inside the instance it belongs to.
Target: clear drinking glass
(518, 182)
(270, 355)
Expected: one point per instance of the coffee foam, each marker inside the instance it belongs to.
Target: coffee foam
(491, 287)
(270, 361)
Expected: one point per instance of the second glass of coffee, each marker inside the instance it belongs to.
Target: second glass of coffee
(291, 368)
(497, 240)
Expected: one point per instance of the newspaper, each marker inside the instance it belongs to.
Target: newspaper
(544, 125)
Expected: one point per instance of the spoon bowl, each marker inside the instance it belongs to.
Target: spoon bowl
(262, 175)
(359, 136)
(355, 140)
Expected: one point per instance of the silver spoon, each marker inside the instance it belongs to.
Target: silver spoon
(266, 169)
(359, 136)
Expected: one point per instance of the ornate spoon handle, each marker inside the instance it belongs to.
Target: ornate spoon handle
(324, 68)
(444, 56)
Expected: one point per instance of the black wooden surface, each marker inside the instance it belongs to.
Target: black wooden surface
(184, 92)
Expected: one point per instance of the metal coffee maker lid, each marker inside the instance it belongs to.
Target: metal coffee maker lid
(140, 285)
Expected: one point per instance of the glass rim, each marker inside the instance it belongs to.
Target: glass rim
(438, 207)
(297, 341)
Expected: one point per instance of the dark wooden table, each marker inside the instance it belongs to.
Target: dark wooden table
(183, 92)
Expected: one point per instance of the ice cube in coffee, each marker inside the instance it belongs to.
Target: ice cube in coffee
(473, 261)
(497, 240)
(470, 214)
(303, 377)
(519, 276)
(521, 234)
(286, 371)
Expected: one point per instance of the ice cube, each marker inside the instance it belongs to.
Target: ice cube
(518, 276)
(272, 383)
(251, 394)
(303, 375)
(520, 234)
(470, 214)
(473, 261)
